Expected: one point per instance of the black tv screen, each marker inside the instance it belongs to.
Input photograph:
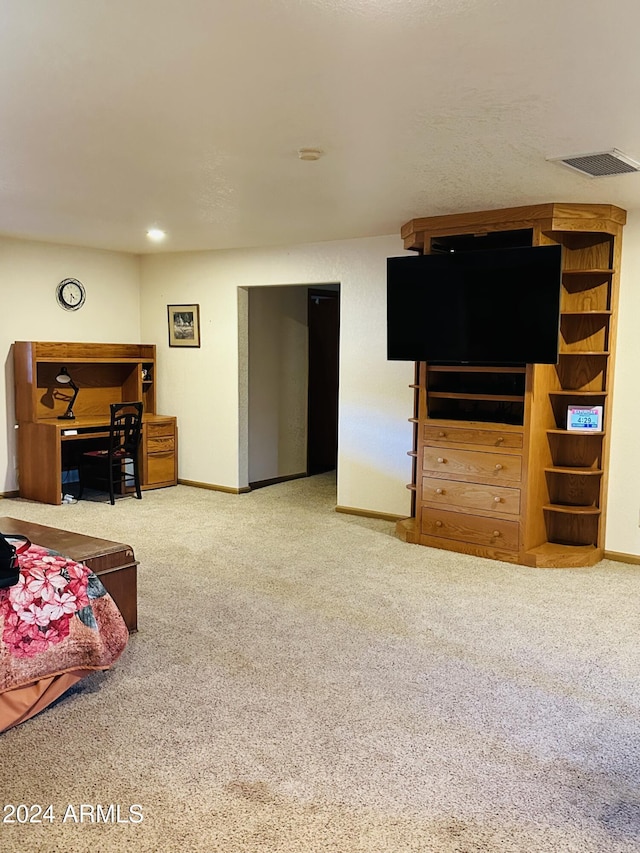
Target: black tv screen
(500, 306)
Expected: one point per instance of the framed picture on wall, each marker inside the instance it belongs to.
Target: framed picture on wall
(184, 325)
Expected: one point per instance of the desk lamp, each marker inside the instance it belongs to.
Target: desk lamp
(63, 378)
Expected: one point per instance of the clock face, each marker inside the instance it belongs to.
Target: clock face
(70, 294)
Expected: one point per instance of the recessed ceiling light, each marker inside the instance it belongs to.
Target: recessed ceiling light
(156, 234)
(310, 153)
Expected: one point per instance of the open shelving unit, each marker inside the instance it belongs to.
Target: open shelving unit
(476, 393)
(496, 472)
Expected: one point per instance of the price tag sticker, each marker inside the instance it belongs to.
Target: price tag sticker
(581, 419)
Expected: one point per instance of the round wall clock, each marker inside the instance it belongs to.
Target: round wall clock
(70, 294)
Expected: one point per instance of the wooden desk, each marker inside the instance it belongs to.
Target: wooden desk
(113, 562)
(104, 373)
(41, 443)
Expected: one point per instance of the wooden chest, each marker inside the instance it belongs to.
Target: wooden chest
(113, 562)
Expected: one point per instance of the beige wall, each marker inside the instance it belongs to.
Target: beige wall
(29, 274)
(278, 366)
(202, 388)
(623, 514)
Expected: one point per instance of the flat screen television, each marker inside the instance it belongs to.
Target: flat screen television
(499, 306)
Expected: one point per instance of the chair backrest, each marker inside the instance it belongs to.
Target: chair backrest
(125, 428)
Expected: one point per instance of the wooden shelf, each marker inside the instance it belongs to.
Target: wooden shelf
(454, 395)
(581, 353)
(572, 510)
(595, 313)
(588, 272)
(573, 472)
(574, 432)
(475, 392)
(578, 393)
(555, 555)
(467, 368)
(90, 360)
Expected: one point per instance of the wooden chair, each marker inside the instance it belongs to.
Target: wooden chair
(117, 464)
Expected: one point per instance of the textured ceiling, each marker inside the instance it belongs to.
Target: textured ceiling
(187, 114)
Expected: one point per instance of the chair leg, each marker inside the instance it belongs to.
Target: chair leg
(136, 476)
(111, 491)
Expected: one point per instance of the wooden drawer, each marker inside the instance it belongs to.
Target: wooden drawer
(476, 529)
(162, 444)
(161, 468)
(161, 428)
(458, 493)
(473, 464)
(487, 437)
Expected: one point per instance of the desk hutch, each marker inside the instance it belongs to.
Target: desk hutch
(496, 473)
(104, 373)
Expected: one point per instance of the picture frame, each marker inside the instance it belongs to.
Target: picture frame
(584, 418)
(184, 325)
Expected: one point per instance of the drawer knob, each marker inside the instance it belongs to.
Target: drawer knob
(500, 440)
(496, 533)
(498, 467)
(497, 500)
(442, 435)
(439, 492)
(441, 459)
(438, 524)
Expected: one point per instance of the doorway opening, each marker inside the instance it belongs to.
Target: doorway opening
(292, 382)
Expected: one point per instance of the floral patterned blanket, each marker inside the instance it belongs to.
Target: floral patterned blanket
(58, 618)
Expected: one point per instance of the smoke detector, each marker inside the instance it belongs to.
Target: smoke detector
(310, 153)
(599, 165)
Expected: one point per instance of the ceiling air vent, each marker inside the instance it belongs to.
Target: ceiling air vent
(601, 164)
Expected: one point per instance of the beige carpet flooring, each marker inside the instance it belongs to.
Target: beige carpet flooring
(304, 681)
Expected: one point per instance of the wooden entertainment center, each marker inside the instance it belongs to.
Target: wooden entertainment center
(496, 472)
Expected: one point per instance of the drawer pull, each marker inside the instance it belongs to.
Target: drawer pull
(438, 524)
(496, 533)
(439, 492)
(500, 440)
(441, 459)
(498, 500)
(442, 435)
(498, 467)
